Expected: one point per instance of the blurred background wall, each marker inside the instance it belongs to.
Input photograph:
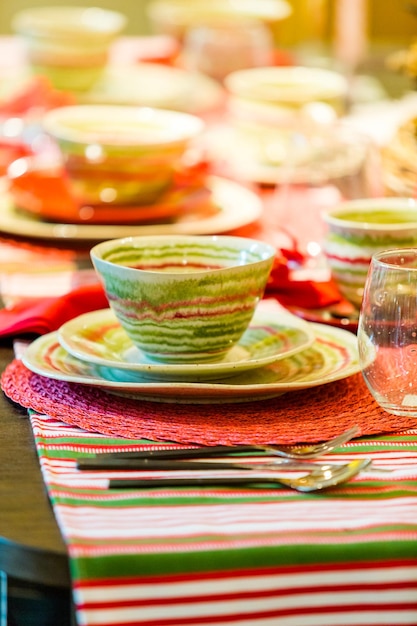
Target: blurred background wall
(133, 9)
(312, 28)
(389, 23)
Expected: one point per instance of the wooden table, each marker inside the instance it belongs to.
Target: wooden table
(32, 553)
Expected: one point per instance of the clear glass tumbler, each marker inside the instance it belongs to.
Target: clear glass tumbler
(387, 332)
(220, 47)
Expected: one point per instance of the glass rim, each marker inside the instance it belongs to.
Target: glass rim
(383, 258)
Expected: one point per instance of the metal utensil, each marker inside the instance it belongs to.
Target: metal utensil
(155, 464)
(309, 451)
(313, 451)
(313, 481)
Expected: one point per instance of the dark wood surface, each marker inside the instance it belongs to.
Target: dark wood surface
(31, 546)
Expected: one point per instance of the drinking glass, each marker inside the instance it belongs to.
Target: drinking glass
(387, 332)
(220, 47)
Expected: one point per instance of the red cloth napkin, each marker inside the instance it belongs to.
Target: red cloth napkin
(35, 97)
(308, 294)
(48, 314)
(38, 95)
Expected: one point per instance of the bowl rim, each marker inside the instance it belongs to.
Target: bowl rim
(250, 83)
(40, 21)
(268, 252)
(334, 216)
(177, 12)
(181, 126)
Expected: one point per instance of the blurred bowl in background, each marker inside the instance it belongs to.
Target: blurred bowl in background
(68, 44)
(267, 105)
(118, 155)
(291, 87)
(360, 228)
(175, 17)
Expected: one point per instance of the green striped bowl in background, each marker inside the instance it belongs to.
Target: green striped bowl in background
(120, 154)
(358, 229)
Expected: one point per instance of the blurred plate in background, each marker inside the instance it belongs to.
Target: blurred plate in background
(151, 84)
(237, 206)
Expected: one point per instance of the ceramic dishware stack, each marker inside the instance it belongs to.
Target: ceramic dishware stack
(187, 322)
(286, 129)
(268, 106)
(118, 170)
(120, 152)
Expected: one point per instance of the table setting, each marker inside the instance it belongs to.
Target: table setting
(202, 359)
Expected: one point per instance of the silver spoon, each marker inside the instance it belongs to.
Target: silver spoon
(313, 481)
(324, 478)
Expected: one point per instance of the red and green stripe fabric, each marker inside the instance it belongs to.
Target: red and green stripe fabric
(236, 556)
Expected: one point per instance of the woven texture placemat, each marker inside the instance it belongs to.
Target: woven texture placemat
(301, 416)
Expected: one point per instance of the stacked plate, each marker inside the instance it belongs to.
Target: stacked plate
(153, 85)
(39, 186)
(278, 353)
(222, 206)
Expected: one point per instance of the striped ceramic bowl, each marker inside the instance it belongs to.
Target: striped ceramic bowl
(358, 229)
(120, 154)
(68, 44)
(184, 298)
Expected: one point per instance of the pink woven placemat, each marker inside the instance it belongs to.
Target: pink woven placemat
(301, 416)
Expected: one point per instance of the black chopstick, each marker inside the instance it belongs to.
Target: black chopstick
(103, 462)
(182, 453)
(191, 482)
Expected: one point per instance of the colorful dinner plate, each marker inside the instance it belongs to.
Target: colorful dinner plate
(97, 337)
(332, 356)
(237, 205)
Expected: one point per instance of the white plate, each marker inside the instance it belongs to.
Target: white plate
(150, 84)
(329, 158)
(238, 207)
(97, 337)
(332, 356)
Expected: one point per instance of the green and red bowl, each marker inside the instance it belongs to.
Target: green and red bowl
(358, 229)
(184, 298)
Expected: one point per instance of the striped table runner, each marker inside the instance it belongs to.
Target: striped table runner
(236, 556)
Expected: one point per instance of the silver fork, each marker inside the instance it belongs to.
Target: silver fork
(313, 451)
(309, 451)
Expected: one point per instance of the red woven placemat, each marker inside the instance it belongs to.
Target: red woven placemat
(300, 416)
